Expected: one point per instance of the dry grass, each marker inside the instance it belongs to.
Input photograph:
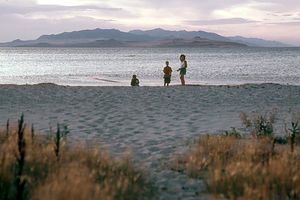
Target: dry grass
(260, 125)
(237, 167)
(244, 168)
(71, 173)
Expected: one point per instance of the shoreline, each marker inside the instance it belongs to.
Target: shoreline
(146, 47)
(147, 86)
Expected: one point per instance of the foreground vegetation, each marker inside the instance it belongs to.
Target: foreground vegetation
(257, 166)
(32, 167)
(261, 166)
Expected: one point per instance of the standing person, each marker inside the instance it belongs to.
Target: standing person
(167, 74)
(135, 81)
(182, 68)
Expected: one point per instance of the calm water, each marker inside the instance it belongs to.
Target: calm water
(115, 66)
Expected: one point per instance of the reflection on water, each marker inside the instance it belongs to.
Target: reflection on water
(115, 66)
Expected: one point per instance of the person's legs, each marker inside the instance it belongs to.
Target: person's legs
(167, 81)
(182, 79)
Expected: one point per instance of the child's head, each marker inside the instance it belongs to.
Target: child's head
(167, 63)
(134, 76)
(182, 57)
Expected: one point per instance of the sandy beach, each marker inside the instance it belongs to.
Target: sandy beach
(152, 123)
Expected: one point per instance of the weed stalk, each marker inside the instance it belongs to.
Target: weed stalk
(57, 142)
(20, 184)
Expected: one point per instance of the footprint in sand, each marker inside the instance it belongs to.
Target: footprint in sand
(129, 129)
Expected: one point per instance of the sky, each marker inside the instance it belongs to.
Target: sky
(267, 19)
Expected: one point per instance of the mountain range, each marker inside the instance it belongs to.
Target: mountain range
(195, 42)
(138, 38)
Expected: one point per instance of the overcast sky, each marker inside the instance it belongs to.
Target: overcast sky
(267, 19)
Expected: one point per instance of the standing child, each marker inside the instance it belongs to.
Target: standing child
(167, 74)
(135, 81)
(182, 69)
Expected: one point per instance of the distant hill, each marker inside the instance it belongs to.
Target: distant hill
(92, 37)
(191, 43)
(165, 34)
(256, 42)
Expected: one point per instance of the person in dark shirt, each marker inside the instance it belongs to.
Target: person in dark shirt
(167, 74)
(135, 81)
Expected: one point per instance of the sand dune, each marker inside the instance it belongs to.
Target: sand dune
(151, 122)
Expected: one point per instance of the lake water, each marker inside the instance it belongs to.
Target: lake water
(115, 66)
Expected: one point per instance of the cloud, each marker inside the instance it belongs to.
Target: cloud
(25, 18)
(61, 12)
(221, 21)
(17, 27)
(289, 23)
(9, 9)
(33, 10)
(278, 6)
